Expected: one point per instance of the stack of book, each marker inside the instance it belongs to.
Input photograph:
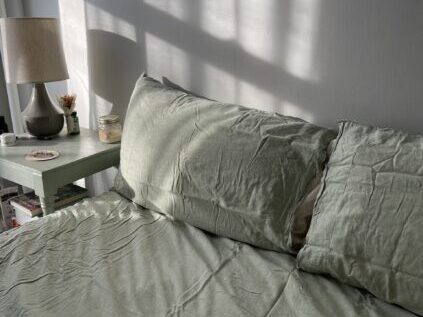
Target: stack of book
(7, 212)
(27, 207)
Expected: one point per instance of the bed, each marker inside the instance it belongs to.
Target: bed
(222, 210)
(106, 256)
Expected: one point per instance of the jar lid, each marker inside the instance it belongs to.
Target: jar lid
(110, 118)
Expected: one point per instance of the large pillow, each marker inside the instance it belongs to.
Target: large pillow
(367, 225)
(227, 169)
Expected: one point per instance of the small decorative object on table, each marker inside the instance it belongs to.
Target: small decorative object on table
(109, 128)
(75, 123)
(41, 155)
(67, 103)
(7, 139)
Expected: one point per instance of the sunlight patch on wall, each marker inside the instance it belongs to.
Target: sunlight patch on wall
(174, 8)
(102, 105)
(164, 59)
(102, 20)
(75, 46)
(219, 19)
(256, 21)
(254, 97)
(219, 84)
(289, 109)
(304, 21)
(99, 107)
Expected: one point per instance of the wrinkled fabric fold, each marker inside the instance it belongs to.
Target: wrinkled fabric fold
(106, 256)
(367, 223)
(233, 171)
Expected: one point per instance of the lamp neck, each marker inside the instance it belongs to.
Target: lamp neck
(39, 92)
(40, 88)
(39, 95)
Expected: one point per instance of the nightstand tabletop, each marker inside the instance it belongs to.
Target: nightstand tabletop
(72, 150)
(80, 156)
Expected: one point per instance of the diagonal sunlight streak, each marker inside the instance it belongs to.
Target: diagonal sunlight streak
(102, 107)
(173, 8)
(225, 66)
(74, 35)
(260, 73)
(174, 61)
(256, 19)
(105, 21)
(216, 81)
(304, 21)
(219, 20)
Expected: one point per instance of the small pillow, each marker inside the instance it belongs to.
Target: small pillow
(367, 223)
(303, 214)
(227, 169)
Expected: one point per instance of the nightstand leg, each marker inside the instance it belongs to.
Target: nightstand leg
(47, 204)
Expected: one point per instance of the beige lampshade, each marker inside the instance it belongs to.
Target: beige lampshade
(33, 50)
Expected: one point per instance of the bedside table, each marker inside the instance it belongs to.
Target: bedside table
(80, 156)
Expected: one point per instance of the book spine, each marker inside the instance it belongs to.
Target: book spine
(22, 209)
(22, 217)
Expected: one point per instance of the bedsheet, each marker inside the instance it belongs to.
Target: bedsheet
(107, 256)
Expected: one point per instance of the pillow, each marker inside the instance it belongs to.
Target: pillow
(303, 214)
(367, 222)
(227, 169)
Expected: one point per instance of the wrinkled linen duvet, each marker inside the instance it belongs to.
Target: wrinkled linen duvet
(108, 257)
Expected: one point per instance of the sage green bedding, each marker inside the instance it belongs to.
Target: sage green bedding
(367, 225)
(233, 171)
(108, 257)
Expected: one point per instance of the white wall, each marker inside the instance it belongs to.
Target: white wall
(324, 60)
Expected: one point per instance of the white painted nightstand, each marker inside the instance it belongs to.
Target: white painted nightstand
(80, 156)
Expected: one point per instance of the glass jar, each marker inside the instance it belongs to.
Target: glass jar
(109, 128)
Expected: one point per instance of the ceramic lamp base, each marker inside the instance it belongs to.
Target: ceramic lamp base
(41, 117)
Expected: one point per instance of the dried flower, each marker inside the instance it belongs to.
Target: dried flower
(67, 103)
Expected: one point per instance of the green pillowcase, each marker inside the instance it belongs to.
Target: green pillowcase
(367, 226)
(227, 169)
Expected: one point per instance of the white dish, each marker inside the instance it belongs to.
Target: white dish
(42, 155)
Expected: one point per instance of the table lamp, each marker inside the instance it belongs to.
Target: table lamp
(33, 53)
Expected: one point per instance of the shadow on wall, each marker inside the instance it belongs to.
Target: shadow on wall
(114, 64)
(323, 60)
